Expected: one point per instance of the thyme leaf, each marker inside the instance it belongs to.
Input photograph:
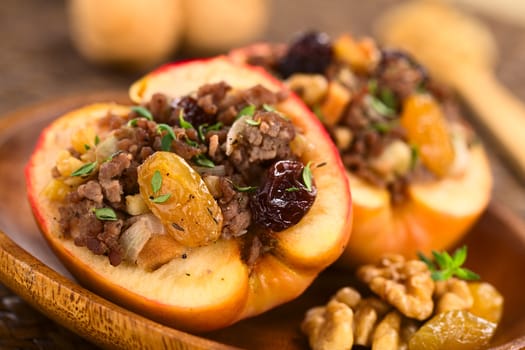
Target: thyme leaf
(191, 142)
(253, 122)
(156, 182)
(380, 107)
(165, 142)
(202, 160)
(183, 122)
(444, 266)
(112, 155)
(307, 177)
(268, 108)
(105, 214)
(388, 98)
(204, 128)
(133, 122)
(165, 127)
(201, 130)
(85, 169)
(143, 112)
(216, 126)
(249, 110)
(380, 127)
(162, 198)
(244, 188)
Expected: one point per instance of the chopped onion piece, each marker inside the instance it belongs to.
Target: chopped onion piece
(237, 127)
(135, 205)
(137, 235)
(212, 182)
(218, 170)
(106, 149)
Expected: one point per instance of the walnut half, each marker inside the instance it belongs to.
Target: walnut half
(406, 285)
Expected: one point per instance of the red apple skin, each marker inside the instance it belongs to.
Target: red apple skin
(220, 289)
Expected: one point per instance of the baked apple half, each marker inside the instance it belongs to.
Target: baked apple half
(215, 198)
(418, 174)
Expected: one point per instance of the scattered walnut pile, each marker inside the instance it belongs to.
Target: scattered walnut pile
(405, 295)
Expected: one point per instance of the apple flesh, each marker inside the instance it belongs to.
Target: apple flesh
(212, 287)
(434, 217)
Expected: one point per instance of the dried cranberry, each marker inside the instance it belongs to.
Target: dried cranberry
(283, 198)
(193, 113)
(310, 53)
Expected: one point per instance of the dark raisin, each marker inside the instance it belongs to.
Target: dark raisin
(310, 53)
(192, 112)
(282, 199)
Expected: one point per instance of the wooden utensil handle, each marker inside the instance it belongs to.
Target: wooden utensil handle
(498, 110)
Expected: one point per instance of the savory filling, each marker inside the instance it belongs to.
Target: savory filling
(392, 123)
(181, 173)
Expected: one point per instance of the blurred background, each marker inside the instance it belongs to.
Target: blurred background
(56, 47)
(53, 49)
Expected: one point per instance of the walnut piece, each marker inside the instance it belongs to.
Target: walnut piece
(453, 294)
(406, 285)
(349, 296)
(365, 321)
(329, 327)
(387, 333)
(367, 312)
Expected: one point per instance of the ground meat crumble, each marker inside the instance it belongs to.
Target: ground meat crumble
(195, 127)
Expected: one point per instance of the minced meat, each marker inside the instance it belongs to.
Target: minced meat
(235, 209)
(196, 128)
(256, 145)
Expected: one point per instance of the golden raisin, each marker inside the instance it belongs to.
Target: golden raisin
(488, 302)
(178, 196)
(453, 330)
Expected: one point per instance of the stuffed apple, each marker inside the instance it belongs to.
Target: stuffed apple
(418, 174)
(216, 198)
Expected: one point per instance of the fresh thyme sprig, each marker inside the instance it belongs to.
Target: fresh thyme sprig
(449, 266)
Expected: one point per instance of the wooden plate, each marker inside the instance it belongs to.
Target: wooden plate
(496, 245)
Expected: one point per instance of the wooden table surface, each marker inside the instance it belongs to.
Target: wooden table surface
(38, 62)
